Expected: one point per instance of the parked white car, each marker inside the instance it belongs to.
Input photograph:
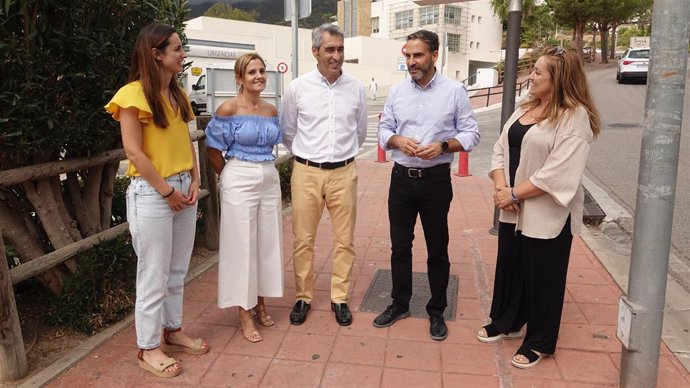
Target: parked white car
(634, 64)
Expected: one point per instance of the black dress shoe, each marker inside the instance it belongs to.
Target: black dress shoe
(342, 313)
(390, 315)
(299, 312)
(438, 328)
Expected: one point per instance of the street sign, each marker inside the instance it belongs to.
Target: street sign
(304, 9)
(402, 65)
(282, 67)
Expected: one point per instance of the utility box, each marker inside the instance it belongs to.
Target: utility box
(631, 322)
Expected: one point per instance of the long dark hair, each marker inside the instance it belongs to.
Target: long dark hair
(146, 69)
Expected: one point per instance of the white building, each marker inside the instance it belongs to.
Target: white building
(470, 34)
(470, 39)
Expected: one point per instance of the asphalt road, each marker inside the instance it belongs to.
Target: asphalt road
(614, 160)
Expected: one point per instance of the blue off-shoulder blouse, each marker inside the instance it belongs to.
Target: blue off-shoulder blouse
(245, 137)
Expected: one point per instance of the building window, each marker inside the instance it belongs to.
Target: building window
(374, 25)
(403, 19)
(477, 46)
(428, 15)
(472, 18)
(479, 19)
(451, 15)
(454, 43)
(471, 44)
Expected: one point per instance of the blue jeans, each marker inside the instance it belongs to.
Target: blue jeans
(163, 240)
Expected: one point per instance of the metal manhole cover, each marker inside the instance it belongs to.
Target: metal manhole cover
(378, 295)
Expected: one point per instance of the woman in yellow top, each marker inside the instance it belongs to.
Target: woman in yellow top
(153, 112)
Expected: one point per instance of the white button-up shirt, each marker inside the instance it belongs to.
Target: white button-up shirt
(324, 122)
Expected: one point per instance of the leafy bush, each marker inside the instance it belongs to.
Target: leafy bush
(285, 173)
(101, 292)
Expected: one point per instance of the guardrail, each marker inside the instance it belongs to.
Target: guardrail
(498, 90)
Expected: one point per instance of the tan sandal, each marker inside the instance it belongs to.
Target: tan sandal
(168, 346)
(249, 331)
(261, 315)
(160, 370)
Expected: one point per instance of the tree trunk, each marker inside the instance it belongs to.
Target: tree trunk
(613, 41)
(13, 364)
(18, 235)
(106, 194)
(603, 32)
(51, 212)
(89, 220)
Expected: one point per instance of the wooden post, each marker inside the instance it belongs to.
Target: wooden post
(209, 182)
(13, 364)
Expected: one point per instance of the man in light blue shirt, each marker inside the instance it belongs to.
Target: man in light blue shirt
(426, 118)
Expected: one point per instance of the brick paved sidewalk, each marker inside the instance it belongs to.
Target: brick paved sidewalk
(320, 353)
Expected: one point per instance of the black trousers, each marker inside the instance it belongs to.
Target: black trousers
(429, 197)
(529, 285)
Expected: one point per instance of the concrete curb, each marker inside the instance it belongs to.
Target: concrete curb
(613, 249)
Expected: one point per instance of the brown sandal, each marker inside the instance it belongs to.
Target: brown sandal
(168, 346)
(160, 370)
(261, 315)
(249, 331)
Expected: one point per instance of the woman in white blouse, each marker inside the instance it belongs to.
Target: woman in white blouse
(240, 140)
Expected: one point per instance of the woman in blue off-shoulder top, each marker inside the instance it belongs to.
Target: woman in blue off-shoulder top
(240, 140)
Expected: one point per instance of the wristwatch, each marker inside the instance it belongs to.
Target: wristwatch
(444, 146)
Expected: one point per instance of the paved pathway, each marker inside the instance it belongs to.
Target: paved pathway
(322, 354)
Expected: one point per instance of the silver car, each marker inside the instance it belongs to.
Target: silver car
(634, 64)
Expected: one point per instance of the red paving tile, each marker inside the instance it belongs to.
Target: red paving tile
(411, 355)
(339, 375)
(320, 353)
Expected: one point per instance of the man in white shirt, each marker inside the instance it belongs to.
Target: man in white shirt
(324, 123)
(373, 87)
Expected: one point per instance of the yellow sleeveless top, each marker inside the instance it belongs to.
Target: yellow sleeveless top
(168, 148)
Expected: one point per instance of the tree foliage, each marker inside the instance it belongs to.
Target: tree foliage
(62, 61)
(227, 11)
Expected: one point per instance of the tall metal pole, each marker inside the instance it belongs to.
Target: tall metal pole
(510, 73)
(656, 189)
(295, 38)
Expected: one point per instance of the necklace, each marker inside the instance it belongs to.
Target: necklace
(531, 116)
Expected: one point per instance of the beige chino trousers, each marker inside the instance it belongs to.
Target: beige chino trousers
(312, 189)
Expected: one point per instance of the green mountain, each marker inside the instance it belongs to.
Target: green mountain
(272, 12)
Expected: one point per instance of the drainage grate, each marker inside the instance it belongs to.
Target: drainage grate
(378, 296)
(623, 125)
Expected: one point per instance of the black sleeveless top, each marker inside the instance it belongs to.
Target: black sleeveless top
(515, 134)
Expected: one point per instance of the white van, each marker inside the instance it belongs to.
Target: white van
(197, 97)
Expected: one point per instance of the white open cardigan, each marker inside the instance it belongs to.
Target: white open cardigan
(553, 157)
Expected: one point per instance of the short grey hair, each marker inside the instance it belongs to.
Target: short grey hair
(317, 34)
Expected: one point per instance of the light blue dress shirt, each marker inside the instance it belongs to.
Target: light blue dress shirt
(440, 111)
(245, 137)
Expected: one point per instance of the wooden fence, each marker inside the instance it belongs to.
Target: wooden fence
(13, 365)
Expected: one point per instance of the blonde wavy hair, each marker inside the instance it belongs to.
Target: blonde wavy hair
(569, 87)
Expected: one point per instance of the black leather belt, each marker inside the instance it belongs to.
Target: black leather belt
(324, 165)
(417, 173)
